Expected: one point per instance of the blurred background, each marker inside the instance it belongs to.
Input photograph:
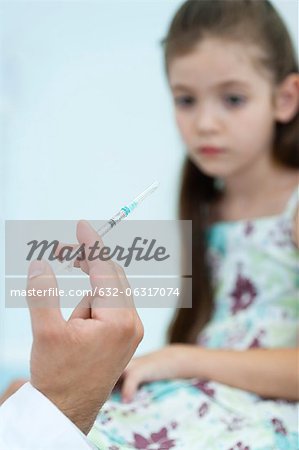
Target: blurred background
(86, 124)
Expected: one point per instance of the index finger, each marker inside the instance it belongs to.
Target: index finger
(92, 242)
(103, 274)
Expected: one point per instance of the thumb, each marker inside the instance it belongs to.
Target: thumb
(42, 297)
(86, 234)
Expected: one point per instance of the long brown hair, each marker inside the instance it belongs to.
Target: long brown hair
(251, 22)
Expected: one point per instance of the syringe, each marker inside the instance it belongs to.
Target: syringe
(126, 210)
(118, 217)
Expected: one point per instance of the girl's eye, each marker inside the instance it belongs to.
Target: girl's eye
(234, 100)
(184, 101)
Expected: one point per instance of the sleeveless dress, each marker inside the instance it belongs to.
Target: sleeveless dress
(255, 271)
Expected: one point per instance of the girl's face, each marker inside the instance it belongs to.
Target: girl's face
(223, 107)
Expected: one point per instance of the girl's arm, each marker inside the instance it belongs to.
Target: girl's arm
(270, 373)
(266, 372)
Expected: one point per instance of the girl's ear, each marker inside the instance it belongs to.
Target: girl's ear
(287, 98)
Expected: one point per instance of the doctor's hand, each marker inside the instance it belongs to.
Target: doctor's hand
(75, 363)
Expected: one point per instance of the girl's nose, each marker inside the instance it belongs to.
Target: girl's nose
(207, 120)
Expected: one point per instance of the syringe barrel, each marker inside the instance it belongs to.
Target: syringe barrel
(111, 223)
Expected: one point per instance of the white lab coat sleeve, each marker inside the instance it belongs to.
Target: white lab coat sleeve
(30, 421)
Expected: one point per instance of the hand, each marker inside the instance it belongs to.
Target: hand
(11, 389)
(76, 363)
(172, 361)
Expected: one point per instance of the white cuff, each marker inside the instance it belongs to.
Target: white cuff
(30, 421)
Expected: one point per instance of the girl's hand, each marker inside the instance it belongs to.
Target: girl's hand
(172, 361)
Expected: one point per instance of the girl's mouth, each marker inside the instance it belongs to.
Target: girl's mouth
(210, 151)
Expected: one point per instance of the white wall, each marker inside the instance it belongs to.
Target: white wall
(86, 124)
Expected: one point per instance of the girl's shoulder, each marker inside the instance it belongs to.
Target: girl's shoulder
(296, 228)
(292, 210)
(292, 205)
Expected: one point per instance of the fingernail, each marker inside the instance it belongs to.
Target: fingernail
(36, 269)
(125, 400)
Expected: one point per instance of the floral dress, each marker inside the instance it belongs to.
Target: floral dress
(256, 281)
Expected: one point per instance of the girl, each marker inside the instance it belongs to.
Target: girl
(228, 378)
